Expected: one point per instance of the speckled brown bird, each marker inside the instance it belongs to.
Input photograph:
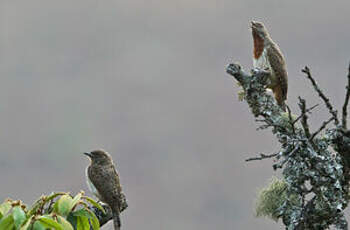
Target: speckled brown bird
(103, 181)
(268, 56)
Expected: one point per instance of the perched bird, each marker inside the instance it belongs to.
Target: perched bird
(268, 56)
(103, 181)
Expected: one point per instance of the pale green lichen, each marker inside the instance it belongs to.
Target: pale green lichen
(271, 198)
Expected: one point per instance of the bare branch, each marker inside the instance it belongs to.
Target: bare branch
(262, 156)
(236, 71)
(302, 106)
(290, 119)
(307, 111)
(323, 126)
(346, 101)
(268, 124)
(306, 70)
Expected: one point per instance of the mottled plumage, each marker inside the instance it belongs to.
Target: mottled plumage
(268, 56)
(103, 181)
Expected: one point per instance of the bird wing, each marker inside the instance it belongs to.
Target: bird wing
(278, 65)
(108, 179)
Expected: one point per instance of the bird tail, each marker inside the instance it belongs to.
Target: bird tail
(280, 97)
(116, 220)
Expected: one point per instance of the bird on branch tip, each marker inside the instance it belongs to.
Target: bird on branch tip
(268, 56)
(103, 181)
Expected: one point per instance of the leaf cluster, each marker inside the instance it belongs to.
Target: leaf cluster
(59, 211)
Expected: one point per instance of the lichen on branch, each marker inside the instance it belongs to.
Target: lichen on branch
(315, 165)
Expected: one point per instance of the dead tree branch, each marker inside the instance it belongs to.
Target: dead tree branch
(323, 126)
(307, 111)
(306, 70)
(307, 163)
(290, 119)
(262, 157)
(346, 101)
(304, 117)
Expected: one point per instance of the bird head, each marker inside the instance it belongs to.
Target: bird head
(99, 156)
(259, 29)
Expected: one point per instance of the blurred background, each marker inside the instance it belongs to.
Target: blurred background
(146, 81)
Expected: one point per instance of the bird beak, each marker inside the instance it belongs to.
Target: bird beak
(88, 154)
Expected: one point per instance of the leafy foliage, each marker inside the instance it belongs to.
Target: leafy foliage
(59, 211)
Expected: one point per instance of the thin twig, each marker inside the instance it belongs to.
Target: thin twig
(306, 70)
(346, 101)
(302, 106)
(268, 124)
(307, 111)
(323, 126)
(262, 156)
(260, 120)
(290, 119)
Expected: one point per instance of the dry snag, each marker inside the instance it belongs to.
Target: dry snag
(315, 164)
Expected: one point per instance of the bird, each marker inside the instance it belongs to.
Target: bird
(104, 182)
(268, 56)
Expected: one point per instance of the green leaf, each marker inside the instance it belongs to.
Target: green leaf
(19, 216)
(54, 195)
(75, 200)
(94, 203)
(27, 223)
(82, 212)
(64, 205)
(7, 223)
(83, 217)
(87, 213)
(83, 223)
(5, 208)
(65, 224)
(36, 206)
(50, 223)
(72, 220)
(93, 220)
(39, 226)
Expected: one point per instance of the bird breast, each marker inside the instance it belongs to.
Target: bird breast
(263, 64)
(91, 186)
